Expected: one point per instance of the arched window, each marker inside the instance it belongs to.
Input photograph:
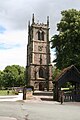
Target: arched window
(39, 38)
(40, 35)
(41, 73)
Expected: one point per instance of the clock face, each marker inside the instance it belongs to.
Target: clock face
(40, 48)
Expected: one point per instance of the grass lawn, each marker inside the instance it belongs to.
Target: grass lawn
(5, 92)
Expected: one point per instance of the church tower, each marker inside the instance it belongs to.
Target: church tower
(39, 68)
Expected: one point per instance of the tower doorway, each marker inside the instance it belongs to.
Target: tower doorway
(41, 86)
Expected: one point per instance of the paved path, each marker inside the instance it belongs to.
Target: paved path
(52, 111)
(39, 110)
(12, 97)
(36, 109)
(7, 118)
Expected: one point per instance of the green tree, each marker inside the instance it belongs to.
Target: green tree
(13, 76)
(67, 41)
(8, 79)
(19, 68)
(10, 76)
(1, 79)
(20, 80)
(56, 73)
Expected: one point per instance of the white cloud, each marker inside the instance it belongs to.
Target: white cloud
(14, 16)
(16, 54)
(13, 56)
(14, 37)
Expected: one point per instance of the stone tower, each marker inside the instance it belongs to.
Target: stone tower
(39, 69)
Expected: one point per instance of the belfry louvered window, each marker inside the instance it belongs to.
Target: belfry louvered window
(40, 35)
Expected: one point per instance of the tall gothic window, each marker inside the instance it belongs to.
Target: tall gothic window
(41, 73)
(40, 35)
(39, 38)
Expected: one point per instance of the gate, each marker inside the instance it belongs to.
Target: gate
(72, 96)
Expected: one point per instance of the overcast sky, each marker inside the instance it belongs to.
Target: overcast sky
(14, 16)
